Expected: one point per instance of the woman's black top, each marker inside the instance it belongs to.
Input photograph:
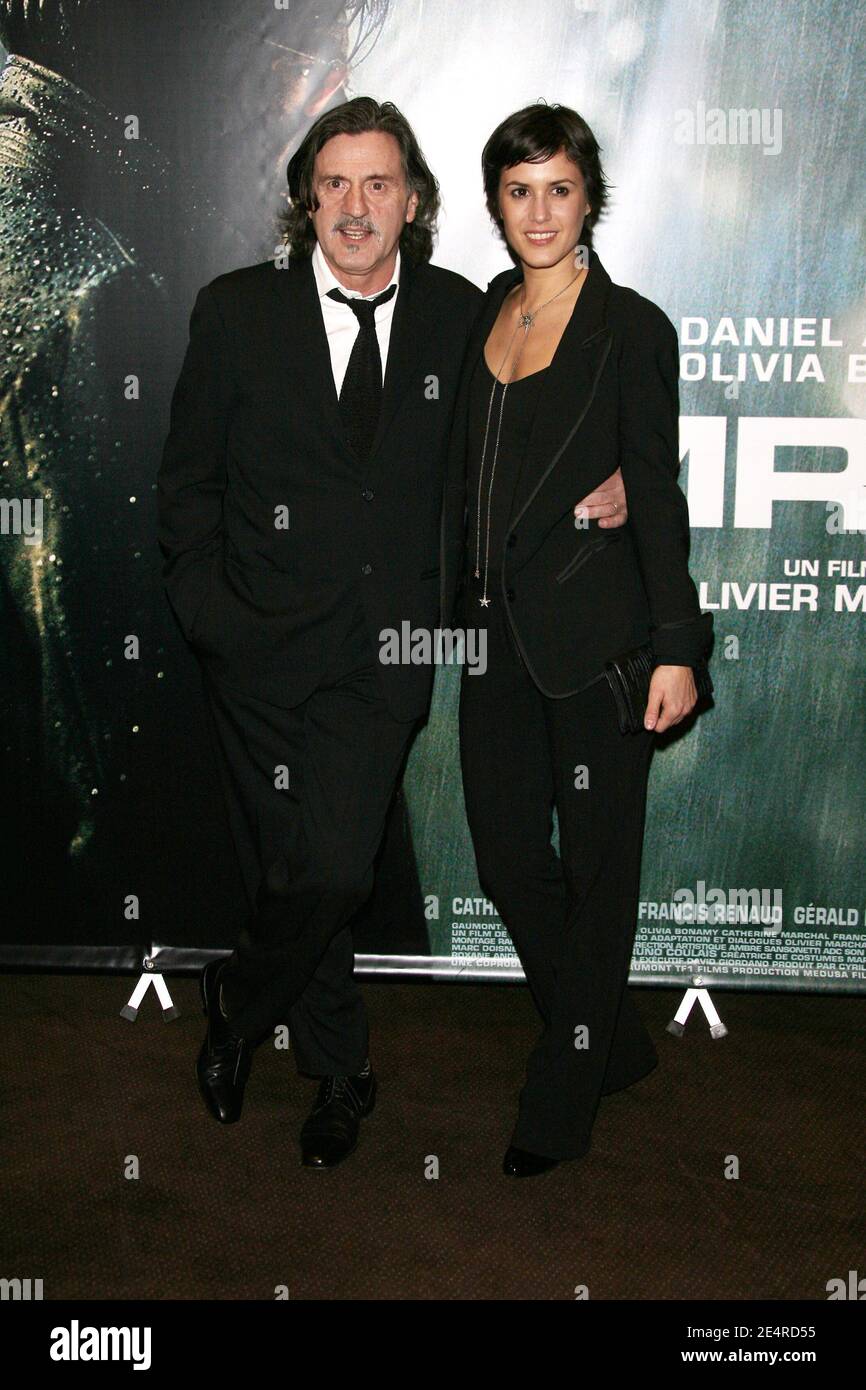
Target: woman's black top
(518, 413)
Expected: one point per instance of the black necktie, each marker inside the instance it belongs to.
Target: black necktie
(361, 396)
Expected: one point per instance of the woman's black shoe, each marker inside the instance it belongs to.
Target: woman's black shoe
(225, 1058)
(520, 1163)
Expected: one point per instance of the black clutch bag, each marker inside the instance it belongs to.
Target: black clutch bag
(629, 678)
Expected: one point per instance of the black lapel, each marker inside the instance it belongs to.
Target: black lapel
(569, 382)
(307, 343)
(567, 388)
(408, 339)
(496, 292)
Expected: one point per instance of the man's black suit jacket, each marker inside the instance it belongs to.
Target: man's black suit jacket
(270, 528)
(576, 598)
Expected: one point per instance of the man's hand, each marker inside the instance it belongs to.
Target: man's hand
(607, 504)
(672, 695)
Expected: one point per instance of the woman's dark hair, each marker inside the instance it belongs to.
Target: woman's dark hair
(358, 117)
(534, 135)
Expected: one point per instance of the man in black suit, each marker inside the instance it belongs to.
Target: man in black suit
(300, 504)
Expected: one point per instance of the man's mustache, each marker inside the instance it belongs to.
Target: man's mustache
(356, 225)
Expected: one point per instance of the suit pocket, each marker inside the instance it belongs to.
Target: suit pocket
(592, 547)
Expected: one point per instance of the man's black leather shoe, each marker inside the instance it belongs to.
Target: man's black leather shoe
(330, 1131)
(520, 1163)
(225, 1059)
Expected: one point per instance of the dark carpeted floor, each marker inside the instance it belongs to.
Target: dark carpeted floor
(228, 1212)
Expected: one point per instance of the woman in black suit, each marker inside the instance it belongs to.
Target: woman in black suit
(566, 377)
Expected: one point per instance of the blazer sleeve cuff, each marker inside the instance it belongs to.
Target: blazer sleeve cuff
(684, 643)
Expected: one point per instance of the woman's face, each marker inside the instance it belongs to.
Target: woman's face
(543, 207)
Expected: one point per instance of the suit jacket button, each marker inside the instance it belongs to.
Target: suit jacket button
(366, 569)
(368, 494)
(509, 594)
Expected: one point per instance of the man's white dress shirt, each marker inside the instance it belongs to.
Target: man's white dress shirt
(341, 325)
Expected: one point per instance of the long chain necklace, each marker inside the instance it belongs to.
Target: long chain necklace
(525, 321)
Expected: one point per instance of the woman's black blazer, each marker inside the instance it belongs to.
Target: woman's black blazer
(576, 598)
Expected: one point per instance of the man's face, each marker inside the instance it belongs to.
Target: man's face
(543, 208)
(364, 203)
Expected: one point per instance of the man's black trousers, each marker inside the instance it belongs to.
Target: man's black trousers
(308, 791)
